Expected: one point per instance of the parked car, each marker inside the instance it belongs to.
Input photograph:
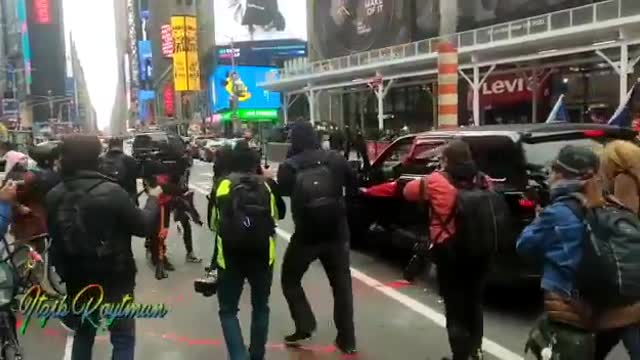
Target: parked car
(516, 157)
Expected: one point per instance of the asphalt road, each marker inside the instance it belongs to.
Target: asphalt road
(394, 320)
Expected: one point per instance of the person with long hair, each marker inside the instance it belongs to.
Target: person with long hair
(620, 171)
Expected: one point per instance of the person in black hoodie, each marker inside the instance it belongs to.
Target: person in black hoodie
(120, 166)
(309, 164)
(91, 220)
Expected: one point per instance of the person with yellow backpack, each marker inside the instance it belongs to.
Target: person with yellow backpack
(246, 208)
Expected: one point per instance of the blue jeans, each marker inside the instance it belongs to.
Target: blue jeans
(123, 331)
(230, 285)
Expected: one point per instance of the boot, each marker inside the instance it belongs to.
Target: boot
(160, 273)
(168, 265)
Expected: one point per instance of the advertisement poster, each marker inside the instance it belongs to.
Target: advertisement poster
(166, 34)
(477, 14)
(346, 27)
(259, 20)
(242, 83)
(146, 64)
(178, 24)
(193, 63)
(42, 12)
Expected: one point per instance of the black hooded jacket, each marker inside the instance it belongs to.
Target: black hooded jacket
(306, 148)
(110, 215)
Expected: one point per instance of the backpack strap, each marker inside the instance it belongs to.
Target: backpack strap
(434, 215)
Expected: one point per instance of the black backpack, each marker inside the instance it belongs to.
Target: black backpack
(71, 221)
(480, 215)
(609, 272)
(113, 166)
(314, 197)
(246, 224)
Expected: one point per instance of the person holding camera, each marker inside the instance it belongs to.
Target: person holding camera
(91, 220)
(247, 206)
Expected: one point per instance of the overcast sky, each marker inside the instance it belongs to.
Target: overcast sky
(92, 23)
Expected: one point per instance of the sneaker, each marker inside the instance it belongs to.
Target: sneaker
(193, 259)
(297, 339)
(478, 355)
(168, 265)
(345, 350)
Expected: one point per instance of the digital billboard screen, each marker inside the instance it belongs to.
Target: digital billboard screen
(476, 14)
(259, 20)
(346, 27)
(243, 81)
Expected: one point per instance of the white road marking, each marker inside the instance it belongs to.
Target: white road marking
(439, 319)
(68, 347)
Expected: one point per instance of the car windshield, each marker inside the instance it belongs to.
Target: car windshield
(539, 156)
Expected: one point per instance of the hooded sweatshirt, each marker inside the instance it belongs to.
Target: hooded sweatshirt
(305, 149)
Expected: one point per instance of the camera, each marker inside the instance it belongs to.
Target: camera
(208, 284)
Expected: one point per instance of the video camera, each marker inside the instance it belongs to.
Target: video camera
(208, 284)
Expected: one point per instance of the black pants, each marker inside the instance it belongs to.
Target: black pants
(187, 236)
(462, 288)
(334, 257)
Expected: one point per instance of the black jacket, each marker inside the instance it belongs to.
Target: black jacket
(304, 149)
(130, 170)
(111, 216)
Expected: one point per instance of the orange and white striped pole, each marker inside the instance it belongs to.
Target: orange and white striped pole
(447, 85)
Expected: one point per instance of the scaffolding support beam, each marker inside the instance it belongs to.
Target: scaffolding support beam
(623, 68)
(476, 84)
(381, 92)
(311, 97)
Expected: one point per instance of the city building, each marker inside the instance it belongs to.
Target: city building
(80, 111)
(15, 76)
(47, 61)
(379, 69)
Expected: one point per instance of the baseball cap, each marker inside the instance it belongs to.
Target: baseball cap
(579, 161)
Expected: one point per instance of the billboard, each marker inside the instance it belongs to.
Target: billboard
(242, 81)
(476, 14)
(186, 65)
(265, 53)
(345, 27)
(166, 35)
(193, 62)
(42, 12)
(146, 63)
(259, 20)
(26, 45)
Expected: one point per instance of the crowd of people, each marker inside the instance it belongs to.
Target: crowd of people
(82, 207)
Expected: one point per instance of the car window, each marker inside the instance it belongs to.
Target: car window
(541, 155)
(397, 152)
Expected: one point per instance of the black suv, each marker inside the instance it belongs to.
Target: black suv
(517, 157)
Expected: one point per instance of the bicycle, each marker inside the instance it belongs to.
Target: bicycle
(21, 268)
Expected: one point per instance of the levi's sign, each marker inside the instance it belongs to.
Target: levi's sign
(501, 86)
